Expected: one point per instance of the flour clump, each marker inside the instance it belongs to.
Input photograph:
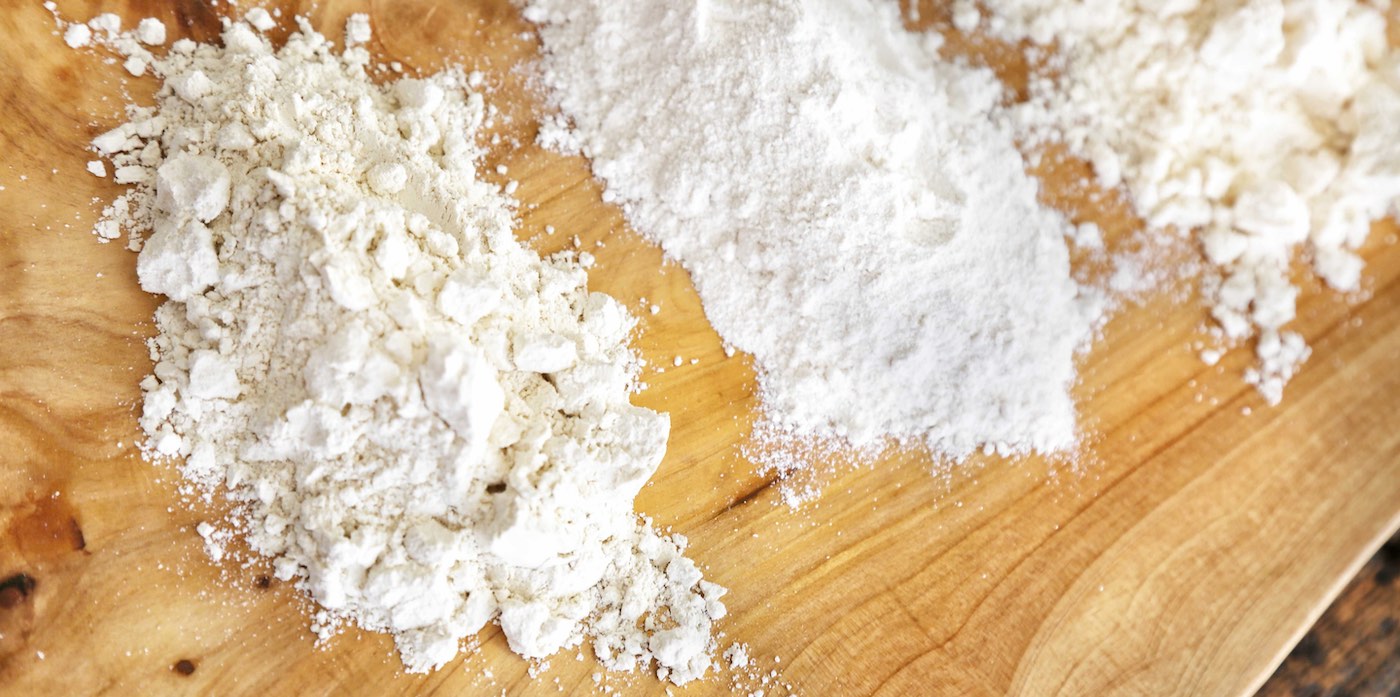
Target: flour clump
(423, 422)
(1265, 128)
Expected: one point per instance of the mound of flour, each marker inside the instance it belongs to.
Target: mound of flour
(849, 213)
(1264, 126)
(424, 422)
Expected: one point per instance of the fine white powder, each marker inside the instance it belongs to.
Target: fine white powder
(422, 421)
(847, 209)
(1265, 126)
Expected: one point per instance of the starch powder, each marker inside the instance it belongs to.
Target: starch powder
(846, 207)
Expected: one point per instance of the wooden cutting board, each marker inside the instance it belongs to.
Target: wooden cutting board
(1200, 534)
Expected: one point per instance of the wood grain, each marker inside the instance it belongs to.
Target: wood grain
(1195, 540)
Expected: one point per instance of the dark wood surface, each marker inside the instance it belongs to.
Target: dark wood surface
(1354, 649)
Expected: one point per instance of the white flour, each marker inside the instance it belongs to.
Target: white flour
(1267, 126)
(429, 427)
(845, 206)
(423, 421)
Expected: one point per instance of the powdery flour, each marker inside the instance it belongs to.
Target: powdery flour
(848, 211)
(421, 420)
(851, 220)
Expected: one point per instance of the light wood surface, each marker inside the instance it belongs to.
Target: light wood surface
(1185, 553)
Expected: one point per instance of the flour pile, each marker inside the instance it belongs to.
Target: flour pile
(423, 421)
(849, 212)
(1266, 126)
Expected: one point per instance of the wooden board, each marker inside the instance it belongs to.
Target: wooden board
(1185, 554)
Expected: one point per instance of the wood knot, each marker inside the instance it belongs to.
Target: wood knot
(184, 667)
(15, 590)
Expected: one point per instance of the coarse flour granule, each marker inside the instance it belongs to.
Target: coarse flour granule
(1265, 126)
(849, 213)
(425, 423)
